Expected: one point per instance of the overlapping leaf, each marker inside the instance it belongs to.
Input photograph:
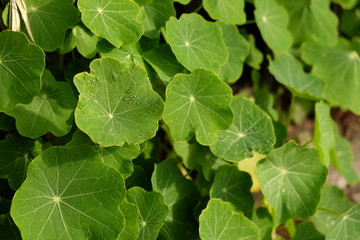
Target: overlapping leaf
(291, 179)
(50, 111)
(21, 66)
(251, 131)
(196, 42)
(118, 22)
(220, 221)
(70, 194)
(262, 218)
(117, 104)
(227, 11)
(131, 228)
(307, 230)
(197, 103)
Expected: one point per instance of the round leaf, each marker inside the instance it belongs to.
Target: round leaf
(251, 131)
(220, 221)
(118, 22)
(196, 42)
(291, 179)
(71, 194)
(131, 228)
(197, 103)
(21, 66)
(227, 11)
(117, 103)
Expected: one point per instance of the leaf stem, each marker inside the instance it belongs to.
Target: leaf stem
(291, 109)
(198, 8)
(250, 22)
(329, 210)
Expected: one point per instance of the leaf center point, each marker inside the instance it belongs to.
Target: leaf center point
(192, 99)
(353, 55)
(264, 19)
(100, 10)
(187, 43)
(110, 115)
(241, 135)
(56, 199)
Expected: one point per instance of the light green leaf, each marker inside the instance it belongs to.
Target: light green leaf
(232, 185)
(262, 218)
(346, 4)
(339, 68)
(196, 42)
(131, 228)
(71, 194)
(164, 62)
(272, 21)
(255, 57)
(50, 111)
(117, 22)
(332, 205)
(289, 71)
(251, 131)
(117, 104)
(347, 226)
(21, 66)
(291, 178)
(152, 211)
(220, 221)
(238, 49)
(227, 11)
(266, 101)
(49, 20)
(311, 19)
(180, 196)
(306, 230)
(183, 2)
(197, 103)
(156, 15)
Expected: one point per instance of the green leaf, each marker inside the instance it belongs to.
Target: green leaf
(289, 71)
(15, 155)
(272, 21)
(21, 66)
(143, 2)
(156, 15)
(164, 62)
(131, 228)
(347, 226)
(71, 194)
(220, 221)
(7, 123)
(117, 98)
(49, 20)
(232, 185)
(197, 103)
(50, 111)
(339, 68)
(346, 4)
(291, 178)
(238, 49)
(311, 19)
(251, 131)
(9, 231)
(196, 42)
(350, 22)
(117, 22)
(262, 218)
(227, 11)
(266, 101)
(152, 211)
(255, 57)
(180, 196)
(333, 203)
(184, 2)
(307, 230)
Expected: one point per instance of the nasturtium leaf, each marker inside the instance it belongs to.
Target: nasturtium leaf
(117, 22)
(9, 231)
(249, 165)
(118, 158)
(156, 15)
(197, 103)
(152, 211)
(272, 20)
(307, 230)
(70, 194)
(263, 220)
(266, 101)
(255, 57)
(15, 155)
(238, 49)
(131, 228)
(143, 2)
(289, 71)
(7, 123)
(350, 22)
(52, 110)
(180, 196)
(311, 19)
(251, 131)
(227, 11)
(339, 68)
(117, 104)
(221, 221)
(232, 185)
(346, 4)
(184, 2)
(291, 178)
(332, 205)
(196, 42)
(49, 20)
(164, 62)
(21, 66)
(347, 225)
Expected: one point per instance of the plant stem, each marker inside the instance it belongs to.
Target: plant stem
(291, 109)
(249, 22)
(198, 8)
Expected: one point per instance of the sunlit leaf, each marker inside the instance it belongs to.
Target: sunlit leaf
(227, 11)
